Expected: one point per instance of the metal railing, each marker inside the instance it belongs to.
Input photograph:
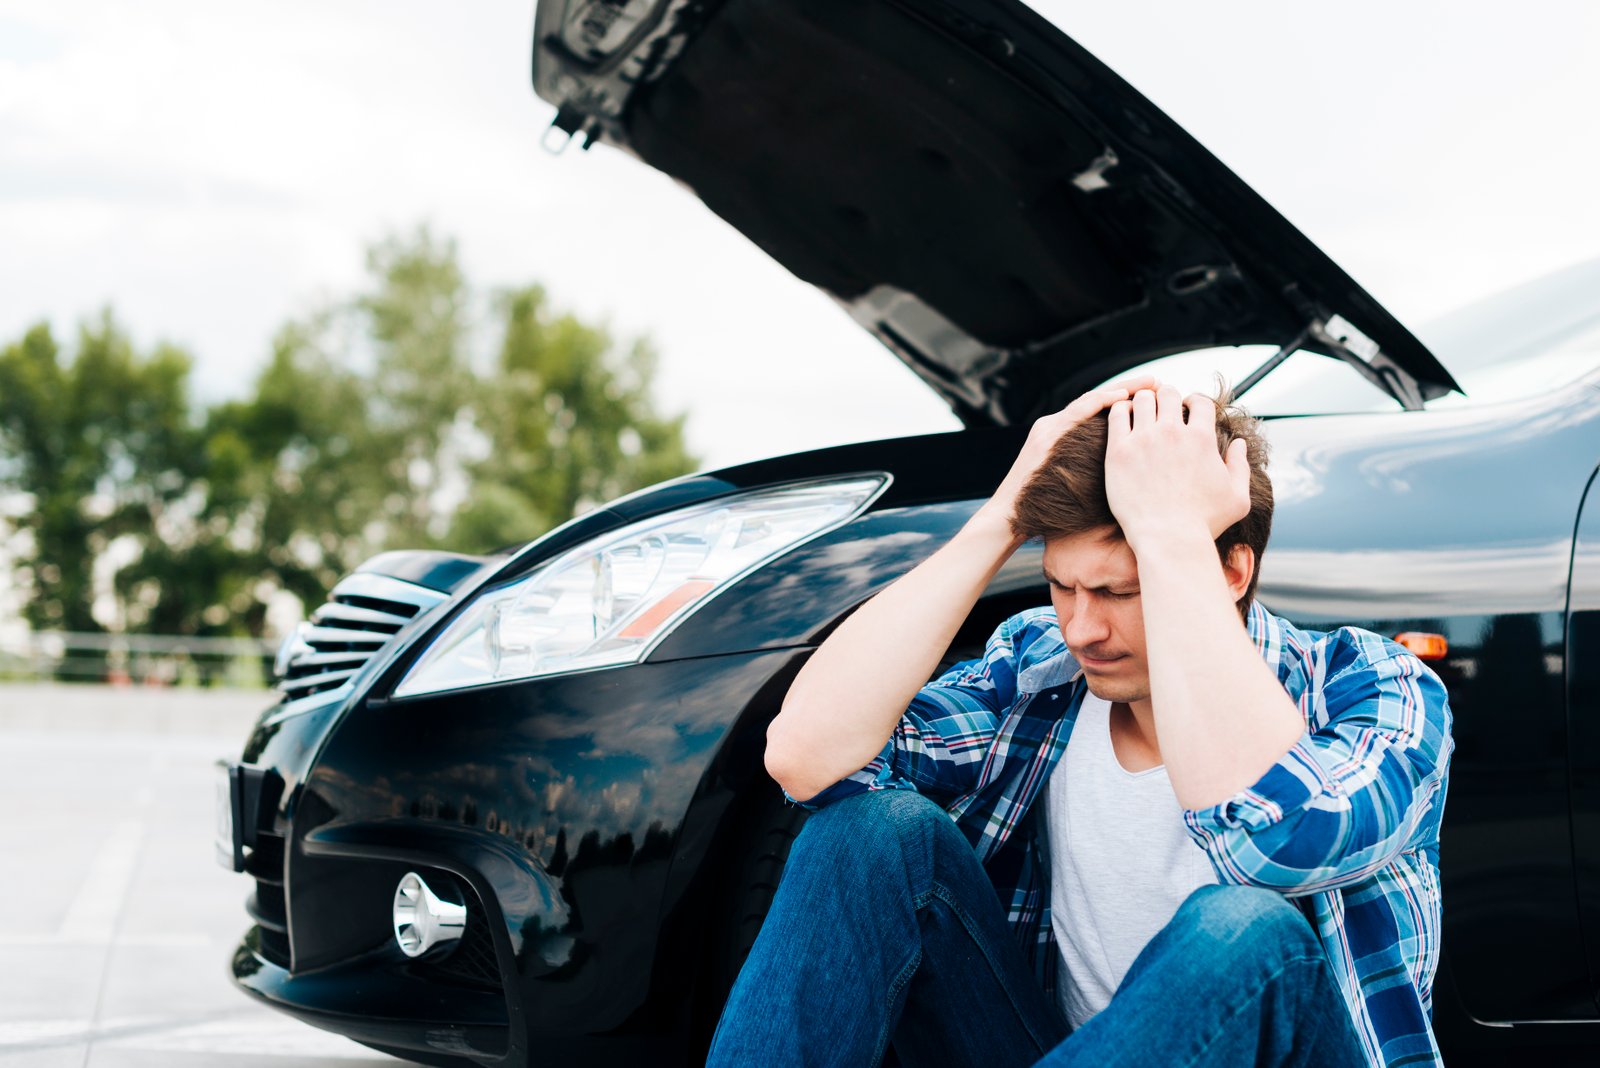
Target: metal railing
(137, 659)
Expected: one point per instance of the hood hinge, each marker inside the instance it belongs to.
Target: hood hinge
(1340, 339)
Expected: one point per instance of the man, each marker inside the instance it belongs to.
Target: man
(1235, 859)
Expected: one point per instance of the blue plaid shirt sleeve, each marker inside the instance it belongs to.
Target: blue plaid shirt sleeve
(1350, 795)
(939, 744)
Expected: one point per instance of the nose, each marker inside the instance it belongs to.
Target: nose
(1087, 626)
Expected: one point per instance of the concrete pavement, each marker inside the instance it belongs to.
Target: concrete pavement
(116, 923)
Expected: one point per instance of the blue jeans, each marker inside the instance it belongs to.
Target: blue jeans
(885, 929)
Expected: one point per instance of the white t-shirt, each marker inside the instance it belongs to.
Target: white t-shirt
(1121, 862)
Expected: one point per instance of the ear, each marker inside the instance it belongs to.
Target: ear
(1237, 569)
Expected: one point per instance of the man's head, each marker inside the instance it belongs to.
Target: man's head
(1093, 575)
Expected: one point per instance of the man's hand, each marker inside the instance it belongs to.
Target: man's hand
(845, 702)
(1047, 430)
(1164, 474)
(1222, 718)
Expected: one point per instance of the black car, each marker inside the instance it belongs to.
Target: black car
(513, 809)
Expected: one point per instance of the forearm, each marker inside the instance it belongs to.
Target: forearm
(1289, 842)
(844, 704)
(1222, 718)
(1349, 798)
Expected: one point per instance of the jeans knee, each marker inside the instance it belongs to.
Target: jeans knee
(1246, 920)
(873, 830)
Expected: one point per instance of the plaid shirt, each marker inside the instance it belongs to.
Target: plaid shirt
(1346, 822)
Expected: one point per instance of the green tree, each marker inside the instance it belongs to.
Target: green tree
(416, 322)
(347, 445)
(286, 479)
(369, 428)
(570, 424)
(99, 447)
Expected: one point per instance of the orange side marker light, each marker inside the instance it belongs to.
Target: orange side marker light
(657, 614)
(1423, 645)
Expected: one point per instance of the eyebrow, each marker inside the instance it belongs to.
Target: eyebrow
(1109, 587)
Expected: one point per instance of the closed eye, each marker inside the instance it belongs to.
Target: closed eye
(1119, 595)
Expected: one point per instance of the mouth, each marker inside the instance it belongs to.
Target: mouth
(1095, 662)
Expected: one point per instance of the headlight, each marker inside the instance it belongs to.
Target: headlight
(609, 601)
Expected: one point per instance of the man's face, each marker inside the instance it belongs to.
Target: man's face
(1094, 586)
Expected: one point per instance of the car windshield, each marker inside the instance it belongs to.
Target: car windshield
(1535, 337)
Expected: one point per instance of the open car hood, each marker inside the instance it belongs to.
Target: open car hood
(1006, 214)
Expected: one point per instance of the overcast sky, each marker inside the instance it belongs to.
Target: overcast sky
(210, 169)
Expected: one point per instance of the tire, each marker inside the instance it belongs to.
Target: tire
(742, 886)
(756, 882)
(775, 828)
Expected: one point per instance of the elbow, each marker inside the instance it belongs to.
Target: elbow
(785, 767)
(778, 766)
(1310, 868)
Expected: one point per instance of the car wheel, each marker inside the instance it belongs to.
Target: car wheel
(775, 830)
(758, 840)
(776, 825)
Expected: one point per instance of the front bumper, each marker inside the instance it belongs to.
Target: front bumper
(373, 1000)
(582, 817)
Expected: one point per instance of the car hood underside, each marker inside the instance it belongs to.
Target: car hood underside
(1009, 216)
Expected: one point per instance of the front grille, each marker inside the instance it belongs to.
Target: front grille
(362, 613)
(266, 905)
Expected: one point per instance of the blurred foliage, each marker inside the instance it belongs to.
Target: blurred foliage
(101, 448)
(567, 424)
(371, 427)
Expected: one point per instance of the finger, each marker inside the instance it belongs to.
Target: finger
(1144, 408)
(1108, 396)
(1169, 405)
(1120, 421)
(1131, 386)
(1095, 401)
(1238, 462)
(1202, 412)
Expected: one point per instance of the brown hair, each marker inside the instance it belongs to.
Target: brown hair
(1067, 494)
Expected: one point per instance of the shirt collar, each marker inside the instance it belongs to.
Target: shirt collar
(1266, 631)
(1057, 669)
